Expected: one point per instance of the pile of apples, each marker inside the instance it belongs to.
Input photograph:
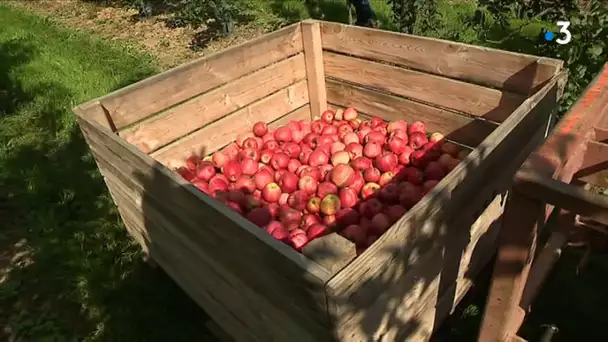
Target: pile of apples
(336, 174)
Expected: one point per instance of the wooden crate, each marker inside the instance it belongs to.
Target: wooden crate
(258, 289)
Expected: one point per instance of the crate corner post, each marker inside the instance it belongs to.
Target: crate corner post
(315, 74)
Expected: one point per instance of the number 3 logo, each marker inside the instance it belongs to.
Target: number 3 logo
(563, 28)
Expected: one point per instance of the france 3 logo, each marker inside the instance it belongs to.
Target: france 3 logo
(566, 36)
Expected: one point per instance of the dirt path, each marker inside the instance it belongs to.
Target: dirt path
(170, 46)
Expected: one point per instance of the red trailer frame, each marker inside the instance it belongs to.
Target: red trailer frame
(552, 178)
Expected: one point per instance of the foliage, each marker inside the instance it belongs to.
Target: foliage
(584, 55)
(414, 16)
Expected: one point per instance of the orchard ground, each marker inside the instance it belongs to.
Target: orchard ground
(68, 270)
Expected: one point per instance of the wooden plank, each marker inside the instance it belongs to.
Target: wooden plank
(566, 196)
(381, 267)
(332, 251)
(594, 168)
(270, 269)
(164, 90)
(311, 40)
(209, 107)
(222, 132)
(302, 113)
(456, 127)
(497, 68)
(93, 110)
(443, 92)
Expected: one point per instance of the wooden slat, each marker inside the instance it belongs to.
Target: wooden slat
(95, 112)
(238, 250)
(594, 168)
(311, 39)
(222, 132)
(162, 91)
(497, 68)
(302, 113)
(465, 97)
(382, 266)
(204, 109)
(456, 127)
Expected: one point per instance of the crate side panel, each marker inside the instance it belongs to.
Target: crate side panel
(382, 266)
(177, 122)
(490, 104)
(459, 128)
(311, 41)
(496, 68)
(225, 130)
(270, 270)
(162, 91)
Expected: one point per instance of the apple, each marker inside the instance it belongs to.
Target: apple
(232, 170)
(372, 149)
(372, 175)
(355, 233)
(245, 184)
(350, 113)
(261, 217)
(395, 212)
(288, 182)
(380, 223)
(192, 162)
(283, 134)
(279, 161)
(362, 164)
(342, 175)
(389, 193)
(387, 161)
(220, 159)
(204, 171)
(347, 216)
(271, 192)
(397, 145)
(397, 125)
(298, 200)
(260, 128)
(370, 207)
(318, 157)
(348, 197)
(249, 166)
(308, 185)
(417, 127)
(369, 189)
(386, 178)
(330, 204)
(314, 205)
(328, 116)
(434, 171)
(272, 145)
(355, 149)
(409, 194)
(337, 147)
(417, 140)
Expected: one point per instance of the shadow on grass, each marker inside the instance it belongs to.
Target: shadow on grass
(68, 271)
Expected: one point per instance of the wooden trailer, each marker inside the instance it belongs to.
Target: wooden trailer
(256, 288)
(552, 178)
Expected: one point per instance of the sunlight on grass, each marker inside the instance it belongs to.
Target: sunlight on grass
(68, 268)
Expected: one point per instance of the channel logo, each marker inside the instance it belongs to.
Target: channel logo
(566, 36)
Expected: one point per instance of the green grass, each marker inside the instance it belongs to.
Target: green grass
(71, 271)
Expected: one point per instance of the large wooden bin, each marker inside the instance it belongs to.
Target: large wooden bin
(258, 289)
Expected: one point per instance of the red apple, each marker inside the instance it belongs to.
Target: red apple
(355, 233)
(355, 149)
(340, 157)
(192, 162)
(397, 145)
(310, 219)
(348, 197)
(232, 170)
(386, 178)
(369, 189)
(283, 134)
(409, 194)
(262, 178)
(293, 165)
(417, 127)
(397, 125)
(326, 188)
(395, 212)
(370, 207)
(220, 159)
(316, 230)
(272, 145)
(312, 172)
(251, 143)
(279, 161)
(316, 126)
(351, 138)
(372, 175)
(205, 171)
(375, 136)
(380, 223)
(342, 175)
(329, 130)
(314, 205)
(389, 193)
(404, 158)
(417, 140)
(298, 200)
(372, 149)
(376, 121)
(260, 217)
(362, 164)
(436, 137)
(329, 220)
(412, 175)
(292, 149)
(266, 155)
(328, 116)
(308, 185)
(318, 157)
(186, 173)
(429, 185)
(271, 192)
(249, 166)
(451, 149)
(386, 161)
(337, 147)
(350, 113)
(260, 128)
(434, 171)
(358, 182)
(289, 182)
(245, 184)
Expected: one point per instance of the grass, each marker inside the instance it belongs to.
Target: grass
(69, 272)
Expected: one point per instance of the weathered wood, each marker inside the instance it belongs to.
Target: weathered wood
(222, 132)
(332, 251)
(185, 118)
(315, 74)
(164, 90)
(455, 127)
(497, 68)
(358, 285)
(241, 254)
(96, 112)
(302, 113)
(488, 103)
(594, 167)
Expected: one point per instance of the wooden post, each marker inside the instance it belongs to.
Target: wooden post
(517, 244)
(315, 73)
